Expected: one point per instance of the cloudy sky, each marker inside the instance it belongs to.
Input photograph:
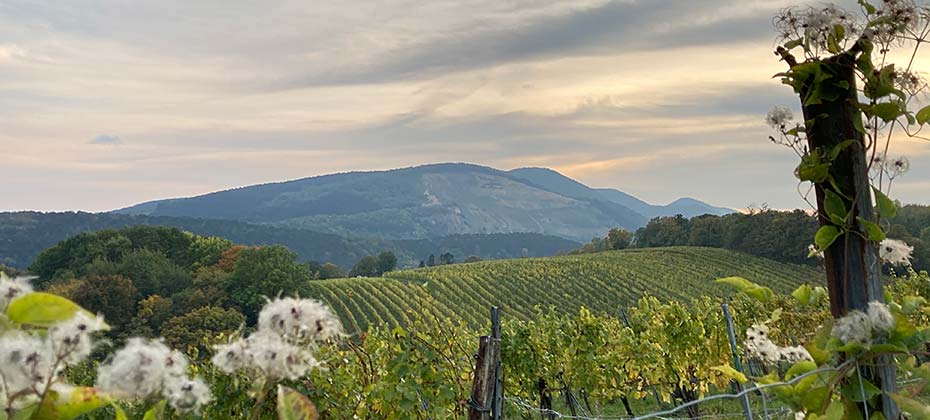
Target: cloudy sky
(106, 103)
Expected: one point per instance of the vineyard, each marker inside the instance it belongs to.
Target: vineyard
(603, 283)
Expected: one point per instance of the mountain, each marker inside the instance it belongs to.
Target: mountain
(410, 203)
(686, 206)
(602, 282)
(23, 235)
(556, 182)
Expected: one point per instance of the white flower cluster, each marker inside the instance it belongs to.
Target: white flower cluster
(816, 25)
(894, 18)
(145, 368)
(859, 327)
(908, 81)
(892, 167)
(300, 320)
(760, 345)
(31, 363)
(895, 251)
(813, 251)
(779, 117)
(289, 329)
(12, 288)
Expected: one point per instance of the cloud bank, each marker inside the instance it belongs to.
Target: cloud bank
(658, 98)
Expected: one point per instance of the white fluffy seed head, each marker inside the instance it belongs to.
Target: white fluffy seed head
(72, 340)
(301, 321)
(141, 368)
(187, 395)
(779, 117)
(895, 251)
(13, 288)
(265, 354)
(855, 327)
(880, 316)
(26, 362)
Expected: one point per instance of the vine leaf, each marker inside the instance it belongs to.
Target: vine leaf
(872, 230)
(293, 405)
(923, 115)
(760, 293)
(886, 207)
(730, 373)
(826, 235)
(82, 400)
(915, 408)
(157, 412)
(42, 309)
(835, 208)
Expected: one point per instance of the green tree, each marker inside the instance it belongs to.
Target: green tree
(367, 266)
(446, 258)
(68, 258)
(618, 238)
(153, 312)
(207, 250)
(331, 271)
(112, 295)
(153, 273)
(198, 330)
(264, 272)
(387, 261)
(706, 230)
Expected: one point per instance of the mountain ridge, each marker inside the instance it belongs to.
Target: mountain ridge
(427, 201)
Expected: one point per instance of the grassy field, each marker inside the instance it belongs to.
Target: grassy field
(603, 282)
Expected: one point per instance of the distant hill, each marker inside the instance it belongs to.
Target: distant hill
(428, 201)
(24, 234)
(603, 282)
(554, 181)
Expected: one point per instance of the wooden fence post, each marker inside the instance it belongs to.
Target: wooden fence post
(487, 390)
(852, 265)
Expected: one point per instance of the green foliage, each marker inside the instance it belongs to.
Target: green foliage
(777, 235)
(113, 296)
(27, 234)
(293, 405)
(264, 272)
(600, 282)
(391, 372)
(366, 267)
(153, 273)
(616, 239)
(201, 326)
(41, 310)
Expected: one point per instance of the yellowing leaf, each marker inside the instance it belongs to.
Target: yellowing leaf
(293, 405)
(42, 309)
(730, 373)
(82, 400)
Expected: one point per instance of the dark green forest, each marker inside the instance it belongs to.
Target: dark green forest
(23, 235)
(777, 235)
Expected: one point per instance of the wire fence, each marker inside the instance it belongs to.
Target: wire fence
(758, 391)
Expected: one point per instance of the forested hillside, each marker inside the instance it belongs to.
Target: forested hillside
(778, 235)
(24, 234)
(424, 202)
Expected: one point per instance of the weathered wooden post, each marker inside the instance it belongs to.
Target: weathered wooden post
(852, 265)
(486, 390)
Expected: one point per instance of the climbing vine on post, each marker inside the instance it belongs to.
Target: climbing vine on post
(854, 101)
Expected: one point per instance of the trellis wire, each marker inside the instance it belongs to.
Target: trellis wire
(526, 406)
(757, 388)
(668, 414)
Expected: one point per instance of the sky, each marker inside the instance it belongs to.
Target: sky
(108, 103)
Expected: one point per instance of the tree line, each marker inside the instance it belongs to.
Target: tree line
(778, 235)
